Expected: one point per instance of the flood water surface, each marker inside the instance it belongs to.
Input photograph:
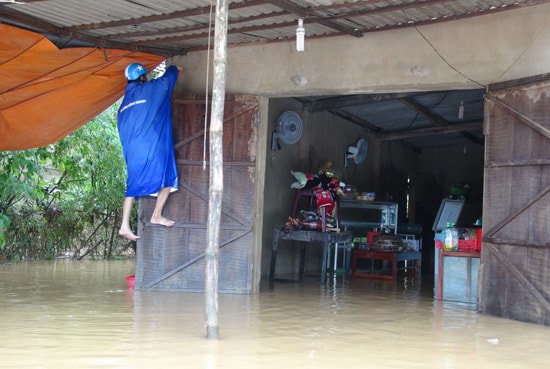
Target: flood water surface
(65, 314)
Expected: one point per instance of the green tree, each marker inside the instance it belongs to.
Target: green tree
(4, 224)
(65, 198)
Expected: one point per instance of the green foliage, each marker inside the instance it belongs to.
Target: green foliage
(4, 225)
(66, 197)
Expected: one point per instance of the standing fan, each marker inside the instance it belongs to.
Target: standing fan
(289, 130)
(358, 152)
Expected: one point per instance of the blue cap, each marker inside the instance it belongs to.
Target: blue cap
(134, 71)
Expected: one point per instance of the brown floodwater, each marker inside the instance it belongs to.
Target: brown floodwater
(66, 314)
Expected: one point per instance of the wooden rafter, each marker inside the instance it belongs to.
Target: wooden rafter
(430, 131)
(311, 16)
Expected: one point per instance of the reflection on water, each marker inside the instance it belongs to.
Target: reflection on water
(67, 314)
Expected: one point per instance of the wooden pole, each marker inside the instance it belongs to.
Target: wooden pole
(216, 171)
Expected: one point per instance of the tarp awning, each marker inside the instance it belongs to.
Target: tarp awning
(46, 93)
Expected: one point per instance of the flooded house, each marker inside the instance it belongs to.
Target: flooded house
(410, 104)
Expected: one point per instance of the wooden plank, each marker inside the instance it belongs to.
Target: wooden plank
(521, 117)
(516, 249)
(491, 232)
(538, 79)
(518, 274)
(518, 243)
(429, 131)
(518, 163)
(189, 262)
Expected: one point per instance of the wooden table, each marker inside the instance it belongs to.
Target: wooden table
(440, 266)
(395, 257)
(326, 239)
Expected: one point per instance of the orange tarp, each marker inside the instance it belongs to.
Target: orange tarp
(46, 93)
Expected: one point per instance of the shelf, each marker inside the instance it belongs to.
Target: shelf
(364, 204)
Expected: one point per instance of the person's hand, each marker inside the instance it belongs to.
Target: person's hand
(180, 69)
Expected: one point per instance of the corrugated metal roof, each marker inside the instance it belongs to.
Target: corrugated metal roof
(414, 118)
(170, 27)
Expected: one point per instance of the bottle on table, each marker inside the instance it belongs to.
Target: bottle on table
(451, 238)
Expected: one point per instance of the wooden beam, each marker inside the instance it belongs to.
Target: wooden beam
(474, 138)
(431, 131)
(310, 15)
(205, 34)
(426, 113)
(518, 274)
(541, 78)
(365, 125)
(339, 102)
(202, 27)
(18, 20)
(158, 17)
(520, 243)
(497, 227)
(537, 127)
(518, 163)
(365, 12)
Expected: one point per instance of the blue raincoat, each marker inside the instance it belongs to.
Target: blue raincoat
(145, 131)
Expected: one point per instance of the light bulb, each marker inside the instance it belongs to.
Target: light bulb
(300, 35)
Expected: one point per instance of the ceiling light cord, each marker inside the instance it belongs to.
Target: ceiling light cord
(527, 47)
(441, 56)
(445, 60)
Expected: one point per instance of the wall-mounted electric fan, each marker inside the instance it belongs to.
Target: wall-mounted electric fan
(358, 152)
(288, 130)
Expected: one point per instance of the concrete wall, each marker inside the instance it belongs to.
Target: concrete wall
(459, 54)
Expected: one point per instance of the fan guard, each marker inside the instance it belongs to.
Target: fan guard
(359, 151)
(289, 127)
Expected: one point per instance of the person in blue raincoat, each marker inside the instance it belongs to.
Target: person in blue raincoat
(145, 129)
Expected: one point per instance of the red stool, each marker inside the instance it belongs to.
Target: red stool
(304, 193)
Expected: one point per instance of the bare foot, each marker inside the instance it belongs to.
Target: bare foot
(128, 234)
(162, 221)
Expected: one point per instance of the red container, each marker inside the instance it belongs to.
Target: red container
(130, 280)
(467, 245)
(471, 245)
(479, 235)
(370, 236)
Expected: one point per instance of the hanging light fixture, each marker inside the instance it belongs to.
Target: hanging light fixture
(300, 35)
